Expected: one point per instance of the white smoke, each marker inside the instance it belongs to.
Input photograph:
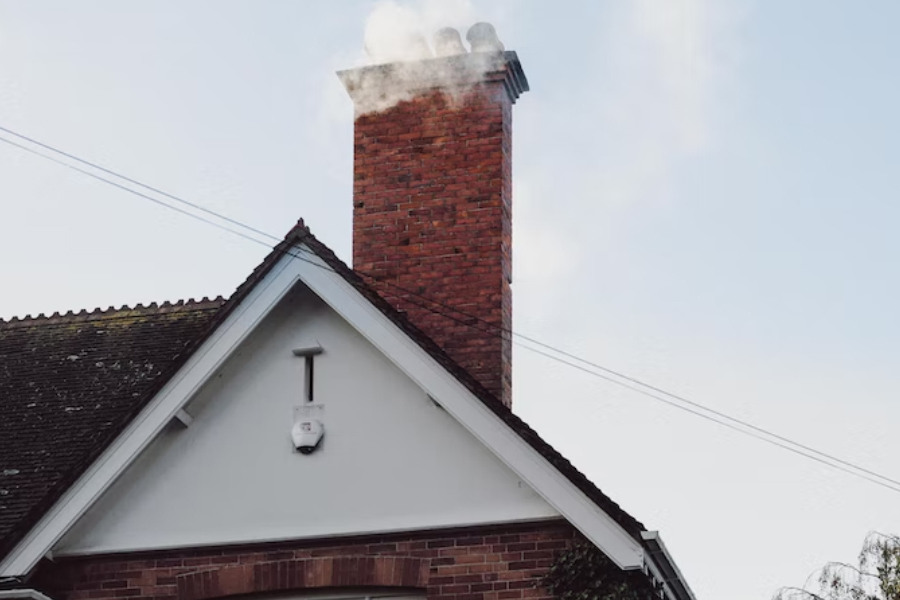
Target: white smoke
(688, 44)
(675, 60)
(668, 79)
(400, 36)
(393, 30)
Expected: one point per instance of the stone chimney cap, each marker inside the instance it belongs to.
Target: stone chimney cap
(483, 38)
(448, 42)
(376, 87)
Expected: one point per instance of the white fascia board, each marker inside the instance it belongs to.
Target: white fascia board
(144, 428)
(28, 594)
(405, 353)
(657, 575)
(667, 556)
(285, 536)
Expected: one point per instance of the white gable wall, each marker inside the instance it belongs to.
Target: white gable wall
(391, 460)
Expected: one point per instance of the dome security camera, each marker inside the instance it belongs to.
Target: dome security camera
(307, 435)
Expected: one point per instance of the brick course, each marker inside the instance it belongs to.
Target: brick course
(486, 563)
(432, 214)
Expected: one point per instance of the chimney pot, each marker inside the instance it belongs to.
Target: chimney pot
(448, 42)
(483, 38)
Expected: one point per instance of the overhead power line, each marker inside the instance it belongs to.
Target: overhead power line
(789, 445)
(129, 190)
(592, 368)
(193, 205)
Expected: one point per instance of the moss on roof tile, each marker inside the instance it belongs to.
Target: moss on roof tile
(69, 383)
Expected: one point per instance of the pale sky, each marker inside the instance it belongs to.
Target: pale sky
(704, 198)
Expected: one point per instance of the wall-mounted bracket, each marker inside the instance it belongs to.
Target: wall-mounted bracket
(184, 418)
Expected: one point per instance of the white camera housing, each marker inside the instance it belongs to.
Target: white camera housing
(307, 434)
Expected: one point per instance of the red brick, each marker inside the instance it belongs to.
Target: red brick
(453, 570)
(201, 573)
(432, 217)
(521, 584)
(114, 584)
(552, 545)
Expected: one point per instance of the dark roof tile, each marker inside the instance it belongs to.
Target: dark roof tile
(68, 384)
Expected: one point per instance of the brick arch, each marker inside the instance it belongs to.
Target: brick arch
(306, 573)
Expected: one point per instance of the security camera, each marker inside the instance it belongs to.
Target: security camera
(307, 435)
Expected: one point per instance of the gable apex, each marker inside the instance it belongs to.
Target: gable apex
(390, 460)
(302, 258)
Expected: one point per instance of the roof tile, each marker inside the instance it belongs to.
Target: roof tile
(68, 384)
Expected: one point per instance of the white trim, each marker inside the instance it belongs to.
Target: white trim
(99, 550)
(24, 593)
(657, 572)
(361, 595)
(654, 572)
(184, 417)
(144, 428)
(436, 381)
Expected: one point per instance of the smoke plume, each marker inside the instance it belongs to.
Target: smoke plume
(411, 48)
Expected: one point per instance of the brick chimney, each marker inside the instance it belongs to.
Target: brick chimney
(432, 194)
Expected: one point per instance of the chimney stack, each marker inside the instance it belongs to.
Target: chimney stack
(432, 194)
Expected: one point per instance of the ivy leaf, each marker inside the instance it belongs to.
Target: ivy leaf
(583, 572)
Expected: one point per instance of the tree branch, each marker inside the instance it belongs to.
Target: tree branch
(848, 566)
(796, 590)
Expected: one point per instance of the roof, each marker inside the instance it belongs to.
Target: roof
(69, 384)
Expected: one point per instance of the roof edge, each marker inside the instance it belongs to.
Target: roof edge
(670, 573)
(101, 314)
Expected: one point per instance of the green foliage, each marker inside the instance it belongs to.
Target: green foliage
(583, 572)
(877, 577)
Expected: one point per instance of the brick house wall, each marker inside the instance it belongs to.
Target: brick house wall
(481, 563)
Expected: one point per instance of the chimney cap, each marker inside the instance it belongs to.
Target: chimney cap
(483, 38)
(377, 87)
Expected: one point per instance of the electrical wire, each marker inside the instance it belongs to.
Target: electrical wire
(638, 386)
(129, 190)
(647, 386)
(124, 178)
(859, 472)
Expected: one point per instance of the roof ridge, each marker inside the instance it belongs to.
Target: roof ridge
(101, 314)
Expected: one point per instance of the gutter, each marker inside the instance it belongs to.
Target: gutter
(664, 568)
(22, 594)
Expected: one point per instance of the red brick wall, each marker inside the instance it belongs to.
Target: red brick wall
(499, 563)
(432, 214)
